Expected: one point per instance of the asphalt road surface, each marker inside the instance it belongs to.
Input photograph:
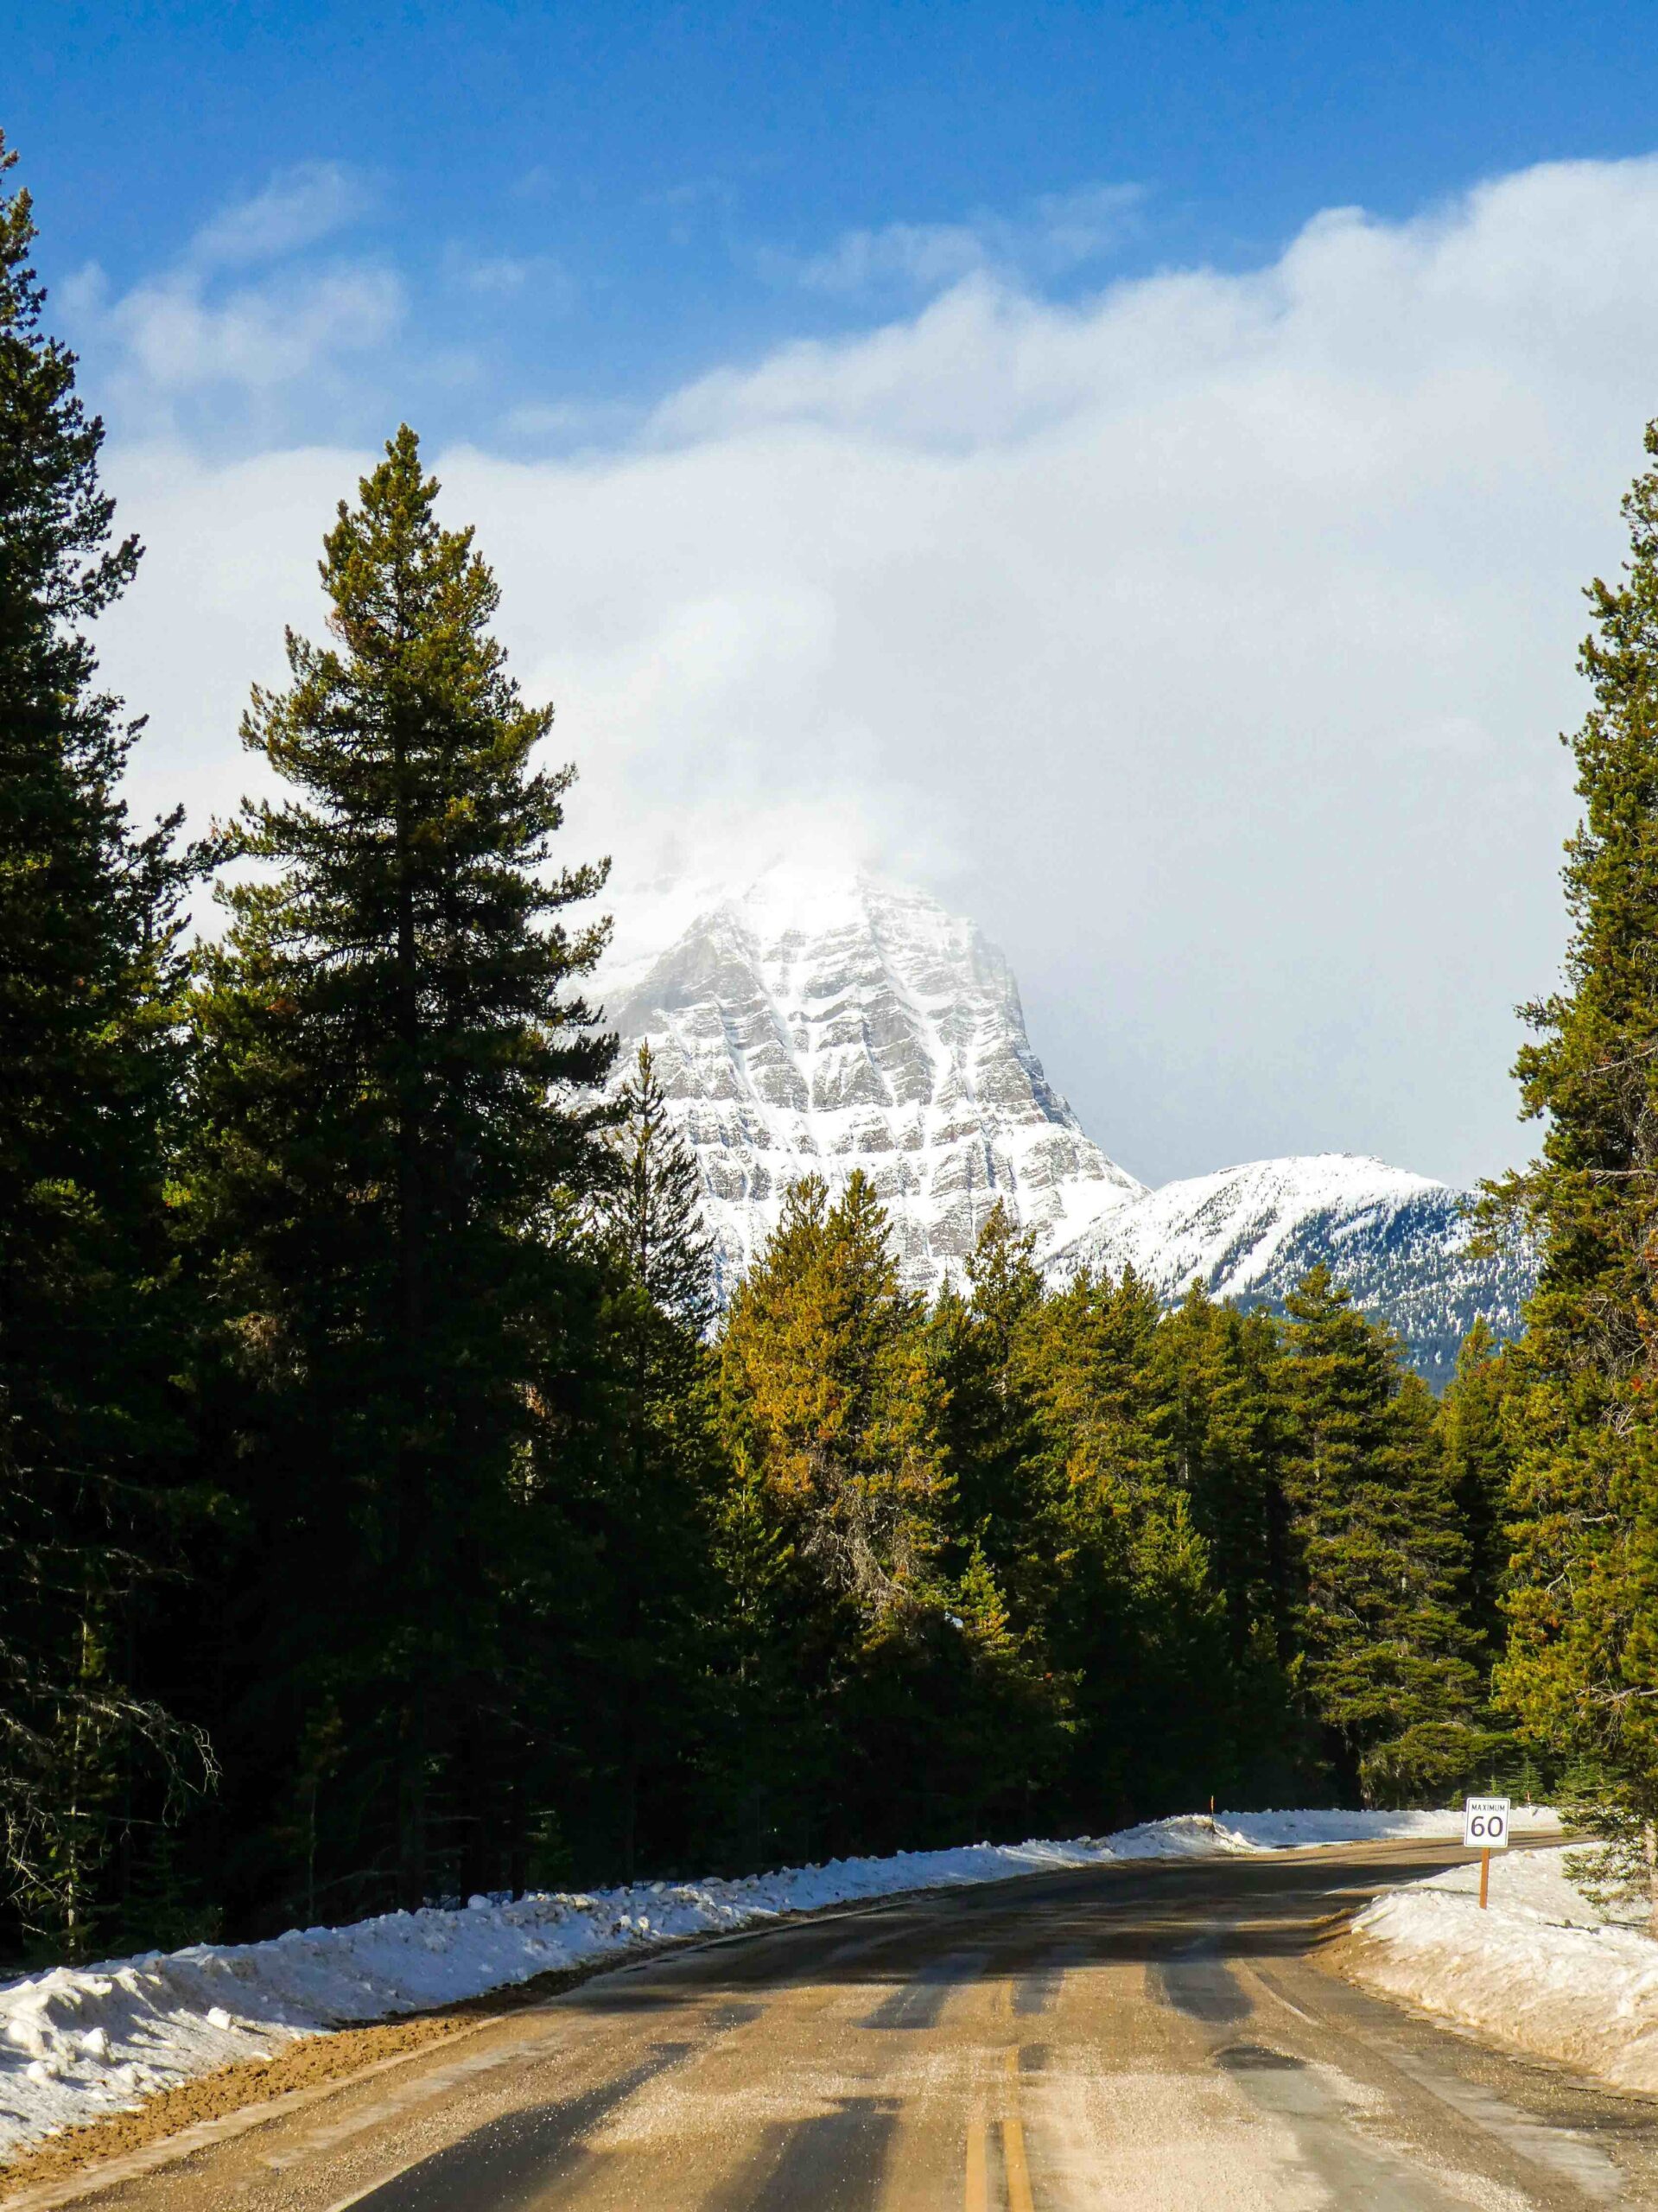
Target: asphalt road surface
(1154, 2036)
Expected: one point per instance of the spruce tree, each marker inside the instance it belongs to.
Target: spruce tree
(1581, 1670)
(392, 1109)
(1137, 1618)
(648, 1514)
(1473, 1423)
(1222, 1372)
(651, 1210)
(763, 1777)
(830, 1423)
(1012, 1702)
(90, 1436)
(1383, 1556)
(985, 1341)
(824, 1374)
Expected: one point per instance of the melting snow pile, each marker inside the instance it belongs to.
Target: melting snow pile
(80, 2042)
(1291, 1831)
(1543, 1969)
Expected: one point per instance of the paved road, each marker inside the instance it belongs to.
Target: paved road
(1129, 2038)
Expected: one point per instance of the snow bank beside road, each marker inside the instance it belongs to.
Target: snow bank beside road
(1288, 1831)
(1542, 1970)
(77, 2043)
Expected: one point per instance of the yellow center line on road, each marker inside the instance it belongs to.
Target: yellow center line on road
(976, 2196)
(1015, 2166)
(976, 2193)
(1018, 2174)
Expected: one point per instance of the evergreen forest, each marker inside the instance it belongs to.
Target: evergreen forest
(389, 1514)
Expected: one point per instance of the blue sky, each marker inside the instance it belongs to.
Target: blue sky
(582, 206)
(1129, 471)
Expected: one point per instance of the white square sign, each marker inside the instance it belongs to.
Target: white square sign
(1485, 1824)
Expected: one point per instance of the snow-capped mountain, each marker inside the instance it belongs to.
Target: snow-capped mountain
(817, 1021)
(1399, 1242)
(814, 1023)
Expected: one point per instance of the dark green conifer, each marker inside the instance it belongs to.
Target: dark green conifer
(1382, 1556)
(985, 1341)
(1223, 1378)
(90, 1435)
(1582, 1665)
(650, 1210)
(1479, 1464)
(1222, 1373)
(1135, 1618)
(391, 1098)
(648, 1513)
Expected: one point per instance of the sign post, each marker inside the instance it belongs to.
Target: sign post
(1485, 1829)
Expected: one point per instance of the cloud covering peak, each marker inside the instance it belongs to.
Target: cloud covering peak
(1207, 637)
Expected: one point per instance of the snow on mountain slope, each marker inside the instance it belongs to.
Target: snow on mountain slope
(1399, 1242)
(1230, 1227)
(817, 1021)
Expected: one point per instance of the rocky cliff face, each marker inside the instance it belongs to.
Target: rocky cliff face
(812, 1023)
(817, 1024)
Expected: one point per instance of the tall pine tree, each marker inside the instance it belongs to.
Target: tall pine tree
(1136, 1616)
(1383, 1557)
(1479, 1464)
(89, 1041)
(824, 1374)
(985, 1340)
(1222, 1373)
(646, 1515)
(393, 1113)
(1582, 1665)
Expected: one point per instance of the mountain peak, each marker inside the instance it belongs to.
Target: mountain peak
(814, 899)
(816, 1019)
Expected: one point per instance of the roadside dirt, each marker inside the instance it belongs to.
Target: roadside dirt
(315, 2064)
(318, 2062)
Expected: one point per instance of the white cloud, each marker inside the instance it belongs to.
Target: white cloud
(299, 206)
(174, 339)
(211, 327)
(1207, 640)
(1053, 235)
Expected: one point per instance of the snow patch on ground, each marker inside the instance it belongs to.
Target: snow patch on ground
(77, 2043)
(1543, 1970)
(1290, 1831)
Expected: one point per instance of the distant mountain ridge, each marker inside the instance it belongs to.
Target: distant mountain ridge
(816, 1021)
(1400, 1243)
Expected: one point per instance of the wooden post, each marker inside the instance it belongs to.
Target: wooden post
(1484, 1879)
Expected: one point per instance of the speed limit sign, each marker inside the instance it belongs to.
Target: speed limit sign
(1484, 1829)
(1485, 1824)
